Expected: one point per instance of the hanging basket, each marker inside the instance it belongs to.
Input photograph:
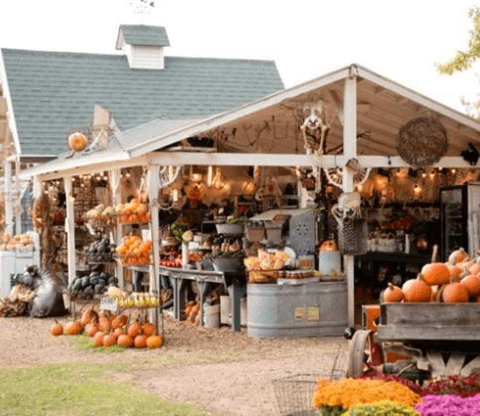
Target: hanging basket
(422, 141)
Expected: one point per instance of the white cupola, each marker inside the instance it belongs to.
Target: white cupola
(143, 45)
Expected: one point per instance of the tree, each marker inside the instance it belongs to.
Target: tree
(464, 59)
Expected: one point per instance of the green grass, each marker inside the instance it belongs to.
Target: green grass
(79, 389)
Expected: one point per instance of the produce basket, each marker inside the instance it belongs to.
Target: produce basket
(263, 276)
(294, 393)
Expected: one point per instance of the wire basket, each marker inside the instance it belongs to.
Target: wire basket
(294, 394)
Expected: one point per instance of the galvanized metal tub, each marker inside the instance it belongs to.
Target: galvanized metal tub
(295, 311)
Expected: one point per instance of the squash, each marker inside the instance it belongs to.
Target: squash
(475, 267)
(458, 256)
(109, 340)
(134, 329)
(98, 339)
(140, 341)
(417, 290)
(472, 283)
(73, 328)
(435, 273)
(455, 271)
(393, 293)
(78, 142)
(91, 329)
(125, 340)
(154, 341)
(455, 292)
(149, 329)
(56, 329)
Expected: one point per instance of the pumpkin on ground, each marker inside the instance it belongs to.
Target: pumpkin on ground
(88, 317)
(393, 293)
(472, 283)
(56, 329)
(125, 340)
(435, 273)
(455, 292)
(149, 329)
(73, 328)
(109, 340)
(91, 329)
(416, 290)
(98, 339)
(154, 341)
(140, 341)
(134, 329)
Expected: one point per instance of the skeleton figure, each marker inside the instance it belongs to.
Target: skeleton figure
(316, 125)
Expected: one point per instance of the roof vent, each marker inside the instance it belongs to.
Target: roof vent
(143, 45)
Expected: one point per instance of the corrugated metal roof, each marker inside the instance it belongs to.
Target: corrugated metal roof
(144, 35)
(54, 92)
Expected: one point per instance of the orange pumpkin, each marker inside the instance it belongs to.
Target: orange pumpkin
(329, 245)
(455, 292)
(472, 283)
(109, 340)
(134, 329)
(125, 340)
(393, 294)
(56, 329)
(475, 267)
(154, 341)
(435, 273)
(73, 328)
(149, 329)
(458, 256)
(98, 339)
(416, 290)
(455, 271)
(78, 142)
(91, 329)
(89, 316)
(140, 341)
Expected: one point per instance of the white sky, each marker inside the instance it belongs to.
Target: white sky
(402, 41)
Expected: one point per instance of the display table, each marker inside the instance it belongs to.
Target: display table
(235, 283)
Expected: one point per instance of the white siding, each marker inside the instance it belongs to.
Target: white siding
(145, 57)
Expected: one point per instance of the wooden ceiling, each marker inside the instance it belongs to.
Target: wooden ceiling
(381, 112)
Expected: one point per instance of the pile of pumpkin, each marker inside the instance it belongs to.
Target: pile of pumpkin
(456, 281)
(108, 329)
(135, 251)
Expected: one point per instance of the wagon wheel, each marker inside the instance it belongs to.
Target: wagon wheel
(364, 354)
(335, 176)
(442, 365)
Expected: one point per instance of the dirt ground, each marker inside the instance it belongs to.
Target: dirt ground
(228, 373)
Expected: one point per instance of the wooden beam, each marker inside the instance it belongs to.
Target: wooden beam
(70, 229)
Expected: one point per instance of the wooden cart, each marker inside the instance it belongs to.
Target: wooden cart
(426, 340)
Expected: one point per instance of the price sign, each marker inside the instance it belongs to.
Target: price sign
(108, 304)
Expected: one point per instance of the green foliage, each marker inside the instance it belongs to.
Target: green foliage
(382, 408)
(331, 411)
(464, 59)
(79, 389)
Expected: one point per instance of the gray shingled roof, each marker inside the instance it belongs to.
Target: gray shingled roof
(53, 92)
(144, 35)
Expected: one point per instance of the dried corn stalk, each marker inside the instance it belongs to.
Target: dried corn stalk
(42, 224)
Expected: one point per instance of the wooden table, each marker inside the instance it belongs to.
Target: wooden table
(234, 282)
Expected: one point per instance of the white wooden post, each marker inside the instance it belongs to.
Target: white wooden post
(70, 229)
(8, 197)
(37, 187)
(18, 200)
(153, 187)
(117, 199)
(350, 151)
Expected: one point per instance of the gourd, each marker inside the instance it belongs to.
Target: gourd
(393, 293)
(435, 273)
(125, 340)
(154, 341)
(455, 292)
(329, 245)
(472, 283)
(56, 329)
(458, 256)
(416, 290)
(78, 142)
(73, 328)
(109, 340)
(140, 341)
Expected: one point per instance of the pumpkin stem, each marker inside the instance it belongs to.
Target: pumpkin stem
(440, 294)
(434, 253)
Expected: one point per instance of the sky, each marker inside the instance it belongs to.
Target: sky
(403, 41)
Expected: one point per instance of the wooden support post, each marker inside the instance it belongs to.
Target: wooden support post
(70, 229)
(8, 197)
(153, 187)
(350, 151)
(114, 175)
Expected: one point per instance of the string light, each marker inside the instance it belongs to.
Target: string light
(454, 171)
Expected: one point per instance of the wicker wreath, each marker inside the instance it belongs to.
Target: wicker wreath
(422, 141)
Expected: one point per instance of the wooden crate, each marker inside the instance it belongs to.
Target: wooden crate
(429, 322)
